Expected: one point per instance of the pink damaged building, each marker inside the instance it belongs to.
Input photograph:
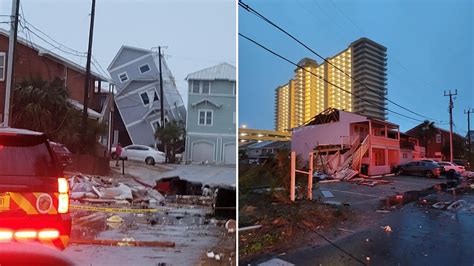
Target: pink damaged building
(345, 142)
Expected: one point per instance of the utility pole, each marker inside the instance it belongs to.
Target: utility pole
(468, 112)
(162, 110)
(451, 106)
(88, 74)
(11, 54)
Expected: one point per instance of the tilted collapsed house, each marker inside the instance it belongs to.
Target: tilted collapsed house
(211, 119)
(136, 73)
(345, 144)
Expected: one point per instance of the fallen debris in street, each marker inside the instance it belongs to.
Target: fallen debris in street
(120, 212)
(247, 228)
(230, 225)
(468, 174)
(387, 228)
(369, 182)
(132, 243)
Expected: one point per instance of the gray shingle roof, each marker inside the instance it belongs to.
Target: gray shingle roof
(223, 71)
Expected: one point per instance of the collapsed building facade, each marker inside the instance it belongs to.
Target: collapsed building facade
(345, 144)
(136, 72)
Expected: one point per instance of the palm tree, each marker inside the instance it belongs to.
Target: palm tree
(41, 106)
(172, 138)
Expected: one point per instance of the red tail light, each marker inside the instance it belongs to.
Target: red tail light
(63, 198)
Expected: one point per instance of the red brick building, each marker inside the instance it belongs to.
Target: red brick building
(437, 144)
(32, 60)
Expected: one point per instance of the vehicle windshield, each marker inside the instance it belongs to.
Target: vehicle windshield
(22, 157)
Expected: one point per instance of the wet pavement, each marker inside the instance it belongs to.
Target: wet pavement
(421, 235)
(187, 226)
(361, 197)
(185, 221)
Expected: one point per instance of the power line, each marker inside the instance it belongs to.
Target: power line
(335, 245)
(256, 13)
(48, 42)
(328, 82)
(53, 40)
(62, 46)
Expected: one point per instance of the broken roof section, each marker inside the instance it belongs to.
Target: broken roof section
(79, 106)
(223, 71)
(120, 60)
(329, 115)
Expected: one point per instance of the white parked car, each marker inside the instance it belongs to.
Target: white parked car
(141, 153)
(452, 166)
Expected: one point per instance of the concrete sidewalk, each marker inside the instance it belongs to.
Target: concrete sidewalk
(366, 197)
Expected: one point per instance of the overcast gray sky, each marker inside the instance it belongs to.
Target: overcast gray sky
(198, 34)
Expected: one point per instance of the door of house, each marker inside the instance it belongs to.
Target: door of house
(229, 154)
(202, 152)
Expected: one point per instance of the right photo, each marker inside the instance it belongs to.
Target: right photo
(355, 141)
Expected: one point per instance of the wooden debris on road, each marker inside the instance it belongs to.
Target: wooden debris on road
(106, 242)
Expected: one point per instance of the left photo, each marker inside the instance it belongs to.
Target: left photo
(118, 132)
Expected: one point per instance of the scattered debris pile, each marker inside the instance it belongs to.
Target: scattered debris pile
(100, 204)
(349, 175)
(99, 190)
(468, 174)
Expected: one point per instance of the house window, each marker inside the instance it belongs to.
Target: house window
(438, 138)
(205, 118)
(205, 87)
(2, 66)
(145, 99)
(144, 68)
(97, 86)
(195, 86)
(145, 96)
(123, 77)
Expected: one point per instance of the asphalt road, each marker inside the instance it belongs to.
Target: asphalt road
(421, 235)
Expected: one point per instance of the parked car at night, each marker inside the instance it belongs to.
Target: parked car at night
(141, 153)
(423, 168)
(62, 153)
(451, 166)
(462, 162)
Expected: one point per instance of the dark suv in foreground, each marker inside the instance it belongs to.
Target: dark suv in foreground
(34, 194)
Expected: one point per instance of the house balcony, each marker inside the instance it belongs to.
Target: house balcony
(384, 141)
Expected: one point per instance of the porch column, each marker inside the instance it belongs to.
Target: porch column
(370, 149)
(386, 133)
(386, 156)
